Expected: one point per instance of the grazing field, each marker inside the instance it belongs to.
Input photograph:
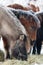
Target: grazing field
(32, 60)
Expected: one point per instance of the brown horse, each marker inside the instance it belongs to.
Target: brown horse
(10, 29)
(30, 7)
(29, 21)
(34, 8)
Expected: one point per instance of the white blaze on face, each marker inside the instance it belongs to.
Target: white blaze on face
(2, 47)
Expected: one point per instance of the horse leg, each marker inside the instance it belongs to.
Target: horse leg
(7, 51)
(34, 48)
(8, 54)
(39, 44)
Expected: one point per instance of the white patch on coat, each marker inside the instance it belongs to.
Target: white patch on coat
(2, 47)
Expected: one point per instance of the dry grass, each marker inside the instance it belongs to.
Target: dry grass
(32, 59)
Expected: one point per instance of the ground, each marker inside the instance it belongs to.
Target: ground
(32, 60)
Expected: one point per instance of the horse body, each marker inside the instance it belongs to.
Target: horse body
(39, 36)
(30, 7)
(10, 29)
(28, 20)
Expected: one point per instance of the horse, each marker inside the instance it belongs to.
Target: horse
(29, 7)
(10, 29)
(19, 51)
(34, 8)
(17, 6)
(29, 20)
(39, 36)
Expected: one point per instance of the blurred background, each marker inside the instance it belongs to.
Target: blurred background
(23, 2)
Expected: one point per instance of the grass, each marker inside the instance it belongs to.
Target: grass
(32, 59)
